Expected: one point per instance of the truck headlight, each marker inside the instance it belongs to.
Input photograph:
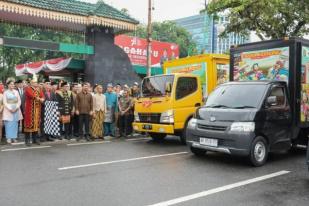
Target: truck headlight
(136, 117)
(167, 117)
(243, 127)
(192, 123)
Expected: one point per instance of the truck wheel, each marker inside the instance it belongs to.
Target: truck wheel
(197, 151)
(258, 152)
(183, 135)
(157, 137)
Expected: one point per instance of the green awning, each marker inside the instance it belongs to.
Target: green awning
(77, 64)
(143, 70)
(76, 48)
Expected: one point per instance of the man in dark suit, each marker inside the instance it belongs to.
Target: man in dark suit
(65, 100)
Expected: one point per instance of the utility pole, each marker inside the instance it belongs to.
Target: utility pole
(149, 31)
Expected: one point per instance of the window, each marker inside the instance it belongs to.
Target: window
(279, 93)
(185, 87)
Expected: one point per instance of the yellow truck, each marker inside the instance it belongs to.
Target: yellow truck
(169, 101)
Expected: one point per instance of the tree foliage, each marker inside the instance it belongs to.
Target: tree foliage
(11, 56)
(169, 31)
(269, 19)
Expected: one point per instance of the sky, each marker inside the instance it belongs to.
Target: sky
(164, 9)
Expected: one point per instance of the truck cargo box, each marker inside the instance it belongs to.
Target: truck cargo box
(283, 60)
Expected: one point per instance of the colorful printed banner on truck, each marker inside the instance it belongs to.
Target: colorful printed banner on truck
(223, 73)
(304, 110)
(268, 64)
(198, 69)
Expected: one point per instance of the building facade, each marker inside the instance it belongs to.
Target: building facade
(205, 32)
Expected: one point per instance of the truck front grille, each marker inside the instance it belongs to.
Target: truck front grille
(150, 117)
(211, 127)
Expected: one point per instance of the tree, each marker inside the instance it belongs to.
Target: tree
(125, 11)
(268, 19)
(11, 56)
(169, 31)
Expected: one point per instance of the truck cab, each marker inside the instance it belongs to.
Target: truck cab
(168, 101)
(166, 104)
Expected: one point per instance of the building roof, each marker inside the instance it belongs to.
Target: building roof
(99, 9)
(66, 14)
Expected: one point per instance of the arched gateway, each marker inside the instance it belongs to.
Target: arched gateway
(105, 62)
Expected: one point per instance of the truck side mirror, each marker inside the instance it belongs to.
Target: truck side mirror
(272, 101)
(168, 87)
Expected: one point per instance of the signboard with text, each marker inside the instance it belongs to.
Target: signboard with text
(136, 48)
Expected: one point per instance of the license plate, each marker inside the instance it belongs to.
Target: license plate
(209, 142)
(147, 126)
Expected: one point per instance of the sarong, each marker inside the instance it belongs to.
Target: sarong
(51, 119)
(97, 124)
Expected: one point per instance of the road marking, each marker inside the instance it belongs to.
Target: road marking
(119, 161)
(24, 148)
(136, 139)
(301, 146)
(87, 143)
(18, 143)
(220, 189)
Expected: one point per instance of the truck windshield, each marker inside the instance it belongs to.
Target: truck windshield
(156, 85)
(236, 96)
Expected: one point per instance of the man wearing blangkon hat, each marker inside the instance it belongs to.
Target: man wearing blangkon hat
(65, 100)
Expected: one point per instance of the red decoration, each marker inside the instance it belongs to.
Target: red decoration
(47, 65)
(147, 103)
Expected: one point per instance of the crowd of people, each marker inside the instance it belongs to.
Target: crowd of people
(84, 111)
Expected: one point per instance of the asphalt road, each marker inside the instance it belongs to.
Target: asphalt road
(143, 172)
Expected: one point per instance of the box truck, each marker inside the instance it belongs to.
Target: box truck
(265, 106)
(169, 101)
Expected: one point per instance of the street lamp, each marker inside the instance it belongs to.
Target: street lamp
(149, 31)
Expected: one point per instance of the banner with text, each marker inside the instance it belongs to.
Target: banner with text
(136, 48)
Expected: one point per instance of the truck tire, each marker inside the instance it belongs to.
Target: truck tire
(259, 152)
(197, 151)
(157, 137)
(183, 135)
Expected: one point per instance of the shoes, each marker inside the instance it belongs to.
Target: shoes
(50, 139)
(28, 144)
(67, 138)
(37, 142)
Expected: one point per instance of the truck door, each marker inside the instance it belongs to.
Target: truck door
(278, 118)
(188, 97)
